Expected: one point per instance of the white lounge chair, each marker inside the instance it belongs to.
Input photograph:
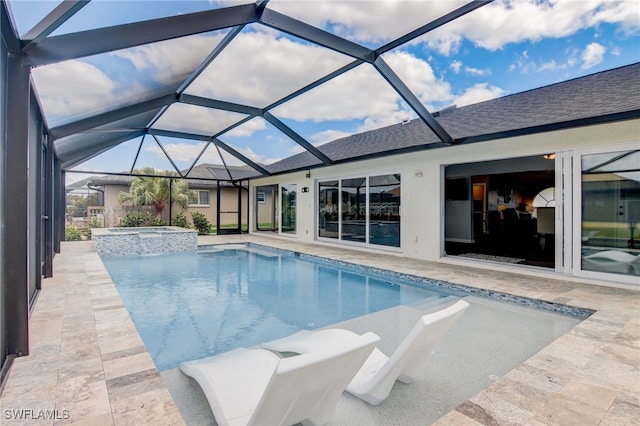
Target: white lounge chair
(255, 386)
(375, 379)
(614, 256)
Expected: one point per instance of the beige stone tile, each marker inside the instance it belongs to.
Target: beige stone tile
(97, 420)
(81, 348)
(127, 365)
(501, 410)
(625, 411)
(33, 396)
(134, 384)
(90, 369)
(456, 418)
(596, 396)
(83, 399)
(562, 411)
(150, 408)
(117, 340)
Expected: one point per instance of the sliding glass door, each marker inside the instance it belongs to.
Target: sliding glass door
(610, 213)
(328, 209)
(288, 195)
(362, 209)
(384, 210)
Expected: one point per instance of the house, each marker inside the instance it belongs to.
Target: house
(460, 186)
(209, 185)
(401, 190)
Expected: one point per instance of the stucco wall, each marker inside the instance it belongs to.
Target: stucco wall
(422, 211)
(229, 201)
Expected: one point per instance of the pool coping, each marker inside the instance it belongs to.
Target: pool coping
(87, 358)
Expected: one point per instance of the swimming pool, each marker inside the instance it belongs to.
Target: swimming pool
(191, 305)
(197, 304)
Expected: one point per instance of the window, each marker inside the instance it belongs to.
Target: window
(288, 195)
(261, 196)
(610, 223)
(362, 209)
(199, 198)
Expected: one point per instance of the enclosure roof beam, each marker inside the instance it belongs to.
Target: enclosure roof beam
(108, 39)
(286, 24)
(51, 22)
(110, 116)
(413, 101)
(241, 157)
(297, 138)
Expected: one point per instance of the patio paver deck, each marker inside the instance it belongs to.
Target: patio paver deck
(89, 366)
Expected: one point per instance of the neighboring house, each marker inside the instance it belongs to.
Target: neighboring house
(548, 179)
(210, 185)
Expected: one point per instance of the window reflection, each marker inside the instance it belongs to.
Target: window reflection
(328, 209)
(611, 212)
(288, 199)
(384, 210)
(361, 209)
(354, 193)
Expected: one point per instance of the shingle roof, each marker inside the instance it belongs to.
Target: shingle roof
(605, 96)
(199, 172)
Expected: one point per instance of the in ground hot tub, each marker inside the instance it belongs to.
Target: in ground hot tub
(156, 239)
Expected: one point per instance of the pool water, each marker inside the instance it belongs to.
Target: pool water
(196, 304)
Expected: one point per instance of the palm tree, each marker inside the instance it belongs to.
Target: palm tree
(147, 191)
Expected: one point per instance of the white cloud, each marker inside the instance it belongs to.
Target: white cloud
(528, 65)
(179, 152)
(356, 94)
(171, 61)
(478, 93)
(73, 89)
(370, 22)
(503, 22)
(476, 71)
(248, 128)
(188, 118)
(592, 55)
(325, 136)
(253, 156)
(456, 66)
(419, 77)
(259, 68)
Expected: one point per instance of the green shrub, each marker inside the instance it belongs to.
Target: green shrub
(137, 219)
(156, 221)
(95, 222)
(72, 233)
(181, 220)
(201, 223)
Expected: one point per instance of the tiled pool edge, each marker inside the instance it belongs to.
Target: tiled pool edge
(574, 311)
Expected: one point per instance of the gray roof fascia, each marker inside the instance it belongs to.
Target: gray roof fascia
(551, 127)
(87, 152)
(286, 24)
(103, 40)
(451, 16)
(216, 104)
(51, 22)
(241, 157)
(111, 116)
(413, 101)
(297, 138)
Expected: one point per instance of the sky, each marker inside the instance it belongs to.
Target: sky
(503, 48)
